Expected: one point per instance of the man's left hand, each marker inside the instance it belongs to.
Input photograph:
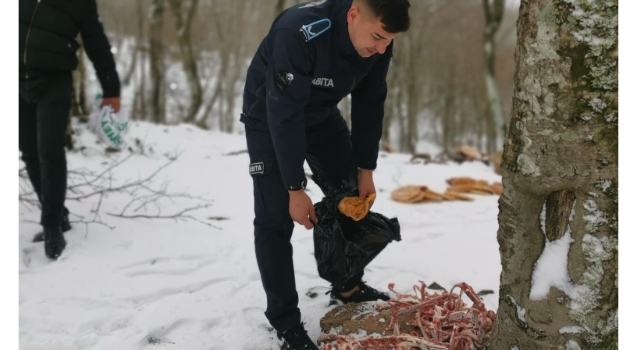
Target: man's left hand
(365, 184)
(114, 102)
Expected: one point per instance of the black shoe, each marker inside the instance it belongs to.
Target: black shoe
(365, 293)
(65, 226)
(54, 242)
(296, 338)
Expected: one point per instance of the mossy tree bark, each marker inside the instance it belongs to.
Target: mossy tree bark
(558, 232)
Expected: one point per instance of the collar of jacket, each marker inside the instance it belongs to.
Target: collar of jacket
(344, 46)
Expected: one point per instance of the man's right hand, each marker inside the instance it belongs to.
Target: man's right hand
(301, 209)
(114, 102)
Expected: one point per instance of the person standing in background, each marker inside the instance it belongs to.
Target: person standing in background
(48, 46)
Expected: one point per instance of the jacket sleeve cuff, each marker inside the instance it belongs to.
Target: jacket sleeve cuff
(110, 83)
(363, 163)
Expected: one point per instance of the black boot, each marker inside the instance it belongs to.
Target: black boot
(296, 338)
(365, 293)
(65, 226)
(54, 242)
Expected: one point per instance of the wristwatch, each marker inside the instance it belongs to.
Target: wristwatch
(302, 186)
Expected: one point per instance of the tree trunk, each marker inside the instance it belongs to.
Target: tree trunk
(232, 79)
(156, 60)
(558, 232)
(412, 114)
(183, 16)
(493, 10)
(405, 123)
(126, 80)
(215, 96)
(79, 92)
(279, 7)
(389, 106)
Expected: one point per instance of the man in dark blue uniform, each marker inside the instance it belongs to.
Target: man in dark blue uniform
(314, 55)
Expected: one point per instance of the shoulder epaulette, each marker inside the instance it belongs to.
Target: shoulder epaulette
(313, 30)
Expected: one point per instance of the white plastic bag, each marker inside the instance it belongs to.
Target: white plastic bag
(110, 126)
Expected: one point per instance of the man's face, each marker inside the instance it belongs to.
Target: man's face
(366, 31)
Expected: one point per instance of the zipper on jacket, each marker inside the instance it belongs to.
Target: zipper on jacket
(26, 46)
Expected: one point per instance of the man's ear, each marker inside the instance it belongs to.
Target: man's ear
(353, 13)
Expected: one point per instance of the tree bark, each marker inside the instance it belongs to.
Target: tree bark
(558, 232)
(390, 103)
(156, 58)
(279, 7)
(183, 16)
(493, 10)
(126, 80)
(79, 92)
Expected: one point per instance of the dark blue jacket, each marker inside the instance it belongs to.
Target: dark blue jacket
(303, 68)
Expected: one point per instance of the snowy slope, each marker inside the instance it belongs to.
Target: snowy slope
(150, 284)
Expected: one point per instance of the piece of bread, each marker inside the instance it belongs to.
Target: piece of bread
(470, 152)
(431, 196)
(356, 207)
(407, 194)
(460, 181)
(467, 188)
(453, 195)
(480, 192)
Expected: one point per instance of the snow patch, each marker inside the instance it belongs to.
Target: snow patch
(571, 330)
(550, 270)
(543, 219)
(572, 345)
(335, 330)
(587, 295)
(597, 105)
(612, 322)
(611, 117)
(595, 218)
(603, 185)
(521, 310)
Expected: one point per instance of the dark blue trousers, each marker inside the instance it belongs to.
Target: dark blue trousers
(329, 156)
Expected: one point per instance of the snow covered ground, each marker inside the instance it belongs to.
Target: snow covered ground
(150, 284)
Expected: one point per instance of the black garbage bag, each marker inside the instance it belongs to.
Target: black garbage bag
(344, 247)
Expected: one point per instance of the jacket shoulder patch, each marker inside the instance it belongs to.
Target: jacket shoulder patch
(313, 30)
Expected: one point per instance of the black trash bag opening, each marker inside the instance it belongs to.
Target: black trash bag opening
(344, 247)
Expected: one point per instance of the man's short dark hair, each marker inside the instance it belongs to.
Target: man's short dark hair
(394, 14)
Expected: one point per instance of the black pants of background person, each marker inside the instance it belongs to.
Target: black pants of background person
(328, 155)
(45, 103)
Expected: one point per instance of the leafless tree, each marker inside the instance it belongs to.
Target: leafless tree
(183, 12)
(156, 60)
(493, 11)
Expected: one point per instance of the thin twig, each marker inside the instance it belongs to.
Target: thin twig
(176, 216)
(141, 191)
(123, 187)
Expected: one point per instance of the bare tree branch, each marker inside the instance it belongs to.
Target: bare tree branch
(176, 216)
